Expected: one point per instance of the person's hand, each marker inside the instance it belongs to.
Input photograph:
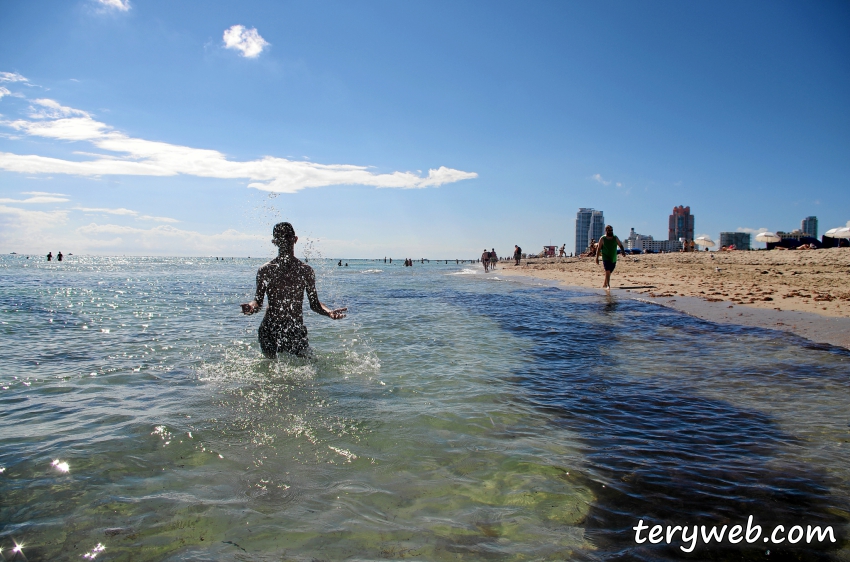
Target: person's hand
(337, 313)
(250, 307)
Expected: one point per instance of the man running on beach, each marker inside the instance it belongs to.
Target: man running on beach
(285, 279)
(608, 249)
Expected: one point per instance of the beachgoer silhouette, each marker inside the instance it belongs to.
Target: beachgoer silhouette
(339, 263)
(517, 254)
(493, 258)
(59, 256)
(49, 256)
(284, 280)
(607, 248)
(485, 260)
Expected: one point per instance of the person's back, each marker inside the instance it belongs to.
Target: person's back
(284, 280)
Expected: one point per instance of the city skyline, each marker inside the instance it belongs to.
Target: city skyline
(412, 130)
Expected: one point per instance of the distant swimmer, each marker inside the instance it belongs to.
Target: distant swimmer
(285, 279)
(607, 248)
(59, 256)
(49, 256)
(339, 263)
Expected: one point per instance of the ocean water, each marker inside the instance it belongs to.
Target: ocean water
(452, 416)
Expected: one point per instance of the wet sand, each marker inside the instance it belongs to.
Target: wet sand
(804, 292)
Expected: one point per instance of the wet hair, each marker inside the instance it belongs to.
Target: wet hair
(283, 232)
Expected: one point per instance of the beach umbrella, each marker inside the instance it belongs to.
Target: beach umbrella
(704, 241)
(767, 237)
(840, 232)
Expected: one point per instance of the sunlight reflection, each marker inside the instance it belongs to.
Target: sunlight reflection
(61, 466)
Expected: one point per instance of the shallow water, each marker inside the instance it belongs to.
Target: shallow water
(451, 416)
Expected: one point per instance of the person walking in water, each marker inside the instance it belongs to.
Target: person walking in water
(607, 248)
(485, 260)
(284, 280)
(49, 256)
(59, 256)
(493, 259)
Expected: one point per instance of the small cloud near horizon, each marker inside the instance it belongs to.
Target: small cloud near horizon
(247, 41)
(751, 230)
(124, 212)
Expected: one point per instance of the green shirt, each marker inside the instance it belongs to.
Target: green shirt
(609, 249)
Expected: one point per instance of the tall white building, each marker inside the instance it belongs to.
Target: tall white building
(590, 226)
(809, 226)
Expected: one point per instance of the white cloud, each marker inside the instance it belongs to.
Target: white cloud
(598, 178)
(36, 199)
(50, 109)
(4, 92)
(751, 230)
(167, 240)
(157, 219)
(141, 157)
(43, 193)
(120, 211)
(120, 5)
(12, 77)
(22, 230)
(125, 212)
(248, 41)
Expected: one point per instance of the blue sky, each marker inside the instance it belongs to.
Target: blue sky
(408, 129)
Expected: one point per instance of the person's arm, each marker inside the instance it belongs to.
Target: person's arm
(598, 250)
(316, 305)
(256, 304)
(621, 245)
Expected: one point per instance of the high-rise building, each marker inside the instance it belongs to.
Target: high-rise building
(809, 226)
(741, 240)
(681, 224)
(590, 226)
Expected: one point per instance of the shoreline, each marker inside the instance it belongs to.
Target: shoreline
(799, 292)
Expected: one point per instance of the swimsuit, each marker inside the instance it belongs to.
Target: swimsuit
(278, 336)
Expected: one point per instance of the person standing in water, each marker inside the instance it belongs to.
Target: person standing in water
(284, 280)
(607, 247)
(485, 260)
(49, 256)
(59, 256)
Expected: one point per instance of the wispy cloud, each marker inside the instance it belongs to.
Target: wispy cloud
(120, 5)
(12, 77)
(598, 178)
(168, 240)
(4, 92)
(39, 197)
(51, 109)
(247, 41)
(751, 230)
(120, 211)
(141, 157)
(124, 212)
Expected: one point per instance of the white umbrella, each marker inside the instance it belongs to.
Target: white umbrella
(704, 241)
(841, 232)
(767, 237)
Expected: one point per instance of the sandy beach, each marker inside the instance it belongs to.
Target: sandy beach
(804, 292)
